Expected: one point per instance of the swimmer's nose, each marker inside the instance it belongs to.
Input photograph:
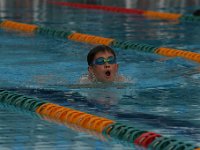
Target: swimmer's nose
(107, 65)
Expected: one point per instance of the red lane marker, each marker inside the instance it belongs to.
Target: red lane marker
(99, 7)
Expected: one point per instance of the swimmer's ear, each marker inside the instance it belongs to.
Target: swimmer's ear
(90, 69)
(117, 66)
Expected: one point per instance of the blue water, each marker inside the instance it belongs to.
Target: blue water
(162, 95)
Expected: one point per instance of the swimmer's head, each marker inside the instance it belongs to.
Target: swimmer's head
(102, 64)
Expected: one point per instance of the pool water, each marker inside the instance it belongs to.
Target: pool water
(162, 94)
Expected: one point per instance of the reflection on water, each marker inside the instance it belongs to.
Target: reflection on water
(37, 10)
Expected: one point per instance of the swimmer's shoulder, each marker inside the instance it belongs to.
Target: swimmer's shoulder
(121, 78)
(85, 79)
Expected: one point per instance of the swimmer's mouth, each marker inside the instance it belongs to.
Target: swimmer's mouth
(108, 73)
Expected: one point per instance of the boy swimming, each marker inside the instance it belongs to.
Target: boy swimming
(102, 66)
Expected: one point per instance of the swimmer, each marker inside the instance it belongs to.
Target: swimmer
(102, 66)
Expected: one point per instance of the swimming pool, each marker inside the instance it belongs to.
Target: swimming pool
(162, 95)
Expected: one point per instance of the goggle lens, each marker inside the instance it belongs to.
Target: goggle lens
(102, 61)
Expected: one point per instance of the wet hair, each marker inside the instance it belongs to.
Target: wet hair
(196, 13)
(97, 49)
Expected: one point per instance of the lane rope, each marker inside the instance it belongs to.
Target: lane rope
(108, 128)
(92, 39)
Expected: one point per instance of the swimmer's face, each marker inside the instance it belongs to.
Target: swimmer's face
(104, 72)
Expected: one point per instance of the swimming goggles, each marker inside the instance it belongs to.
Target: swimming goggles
(102, 61)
